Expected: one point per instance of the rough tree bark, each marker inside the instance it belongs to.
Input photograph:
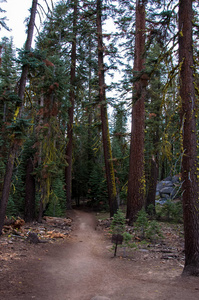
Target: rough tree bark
(110, 176)
(190, 177)
(14, 146)
(136, 181)
(30, 192)
(69, 147)
(150, 200)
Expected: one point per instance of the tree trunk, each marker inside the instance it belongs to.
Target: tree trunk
(30, 193)
(28, 44)
(190, 178)
(14, 147)
(69, 147)
(6, 185)
(110, 176)
(150, 200)
(90, 113)
(136, 182)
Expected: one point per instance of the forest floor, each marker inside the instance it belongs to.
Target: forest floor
(81, 266)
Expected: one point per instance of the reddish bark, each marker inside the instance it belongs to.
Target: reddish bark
(69, 147)
(30, 192)
(150, 200)
(110, 177)
(14, 147)
(6, 185)
(136, 182)
(190, 179)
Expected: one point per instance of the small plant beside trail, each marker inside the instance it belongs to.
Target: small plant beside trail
(141, 224)
(119, 234)
(146, 229)
(118, 229)
(118, 223)
(143, 231)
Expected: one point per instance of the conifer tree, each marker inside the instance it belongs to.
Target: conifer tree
(153, 123)
(50, 84)
(110, 176)
(3, 19)
(136, 182)
(71, 110)
(120, 148)
(190, 159)
(15, 144)
(8, 99)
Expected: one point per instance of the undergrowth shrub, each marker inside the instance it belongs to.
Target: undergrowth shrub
(146, 229)
(170, 211)
(118, 223)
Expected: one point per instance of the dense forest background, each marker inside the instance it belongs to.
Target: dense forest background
(102, 86)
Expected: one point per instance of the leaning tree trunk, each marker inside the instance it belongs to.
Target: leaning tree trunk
(136, 182)
(110, 176)
(69, 147)
(14, 147)
(190, 176)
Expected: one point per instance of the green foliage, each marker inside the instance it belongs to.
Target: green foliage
(46, 104)
(118, 227)
(56, 206)
(118, 223)
(33, 58)
(3, 20)
(97, 189)
(11, 209)
(153, 232)
(19, 128)
(146, 229)
(171, 211)
(8, 100)
(141, 224)
(151, 210)
(127, 242)
(17, 194)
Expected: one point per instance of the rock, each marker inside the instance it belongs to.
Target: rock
(33, 238)
(162, 184)
(176, 178)
(164, 197)
(167, 188)
(169, 178)
(168, 192)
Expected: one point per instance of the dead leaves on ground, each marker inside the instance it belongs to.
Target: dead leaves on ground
(15, 242)
(50, 229)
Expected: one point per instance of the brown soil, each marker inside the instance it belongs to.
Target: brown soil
(83, 267)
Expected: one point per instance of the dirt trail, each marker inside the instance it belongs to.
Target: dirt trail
(84, 269)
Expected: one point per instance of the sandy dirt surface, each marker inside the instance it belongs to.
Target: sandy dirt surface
(83, 268)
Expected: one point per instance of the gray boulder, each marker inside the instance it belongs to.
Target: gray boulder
(169, 178)
(168, 192)
(167, 188)
(162, 184)
(175, 179)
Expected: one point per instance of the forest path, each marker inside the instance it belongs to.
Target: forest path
(82, 268)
